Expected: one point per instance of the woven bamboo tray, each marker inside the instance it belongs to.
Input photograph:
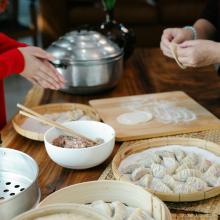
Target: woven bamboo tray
(153, 143)
(76, 210)
(19, 119)
(109, 191)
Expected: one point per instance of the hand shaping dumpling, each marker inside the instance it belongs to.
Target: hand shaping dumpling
(184, 174)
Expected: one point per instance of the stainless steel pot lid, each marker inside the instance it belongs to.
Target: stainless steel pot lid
(84, 46)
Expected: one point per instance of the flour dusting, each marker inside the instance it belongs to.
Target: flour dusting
(164, 111)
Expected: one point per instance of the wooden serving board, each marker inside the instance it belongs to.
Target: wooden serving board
(109, 110)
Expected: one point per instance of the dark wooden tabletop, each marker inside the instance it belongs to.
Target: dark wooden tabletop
(147, 71)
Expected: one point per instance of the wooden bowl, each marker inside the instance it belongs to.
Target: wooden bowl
(158, 142)
(75, 210)
(109, 191)
(19, 119)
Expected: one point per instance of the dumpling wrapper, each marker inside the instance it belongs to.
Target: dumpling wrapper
(133, 118)
(173, 48)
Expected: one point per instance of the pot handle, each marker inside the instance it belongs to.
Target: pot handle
(59, 65)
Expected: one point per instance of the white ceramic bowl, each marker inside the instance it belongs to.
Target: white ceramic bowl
(82, 158)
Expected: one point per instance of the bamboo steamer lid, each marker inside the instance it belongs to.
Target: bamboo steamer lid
(109, 191)
(166, 141)
(62, 212)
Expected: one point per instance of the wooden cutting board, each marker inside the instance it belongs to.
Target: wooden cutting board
(172, 113)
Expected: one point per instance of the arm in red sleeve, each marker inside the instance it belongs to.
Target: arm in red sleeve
(11, 61)
(7, 43)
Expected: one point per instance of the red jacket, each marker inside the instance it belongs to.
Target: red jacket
(11, 61)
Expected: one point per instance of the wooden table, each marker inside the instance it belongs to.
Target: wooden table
(148, 71)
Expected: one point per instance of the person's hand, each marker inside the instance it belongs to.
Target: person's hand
(198, 53)
(175, 35)
(38, 70)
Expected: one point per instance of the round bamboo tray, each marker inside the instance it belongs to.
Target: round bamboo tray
(77, 211)
(109, 191)
(158, 142)
(19, 119)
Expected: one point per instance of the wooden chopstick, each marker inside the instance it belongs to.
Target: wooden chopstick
(34, 115)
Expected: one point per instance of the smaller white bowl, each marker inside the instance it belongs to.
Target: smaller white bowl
(81, 158)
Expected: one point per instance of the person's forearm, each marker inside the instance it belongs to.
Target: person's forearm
(204, 29)
(7, 43)
(215, 52)
(11, 62)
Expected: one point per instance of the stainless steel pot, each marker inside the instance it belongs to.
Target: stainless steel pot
(88, 61)
(19, 190)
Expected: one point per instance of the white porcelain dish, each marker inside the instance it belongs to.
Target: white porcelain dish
(81, 158)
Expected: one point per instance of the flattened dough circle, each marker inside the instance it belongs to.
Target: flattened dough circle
(133, 118)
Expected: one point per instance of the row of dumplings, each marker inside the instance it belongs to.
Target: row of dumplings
(173, 172)
(118, 211)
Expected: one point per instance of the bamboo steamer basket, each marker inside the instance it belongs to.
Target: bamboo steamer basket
(19, 119)
(77, 211)
(158, 142)
(109, 191)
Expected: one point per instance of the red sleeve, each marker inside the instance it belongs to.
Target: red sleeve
(7, 43)
(11, 61)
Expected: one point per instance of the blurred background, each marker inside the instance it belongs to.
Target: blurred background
(40, 22)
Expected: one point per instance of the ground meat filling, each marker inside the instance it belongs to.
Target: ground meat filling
(72, 142)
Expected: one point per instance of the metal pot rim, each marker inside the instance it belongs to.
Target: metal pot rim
(89, 62)
(33, 182)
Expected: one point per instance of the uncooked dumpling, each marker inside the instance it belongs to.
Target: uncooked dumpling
(139, 214)
(145, 180)
(120, 211)
(169, 181)
(191, 159)
(128, 169)
(102, 207)
(139, 172)
(204, 165)
(179, 154)
(184, 174)
(197, 183)
(158, 186)
(158, 170)
(183, 188)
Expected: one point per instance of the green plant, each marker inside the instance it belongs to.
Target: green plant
(109, 4)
